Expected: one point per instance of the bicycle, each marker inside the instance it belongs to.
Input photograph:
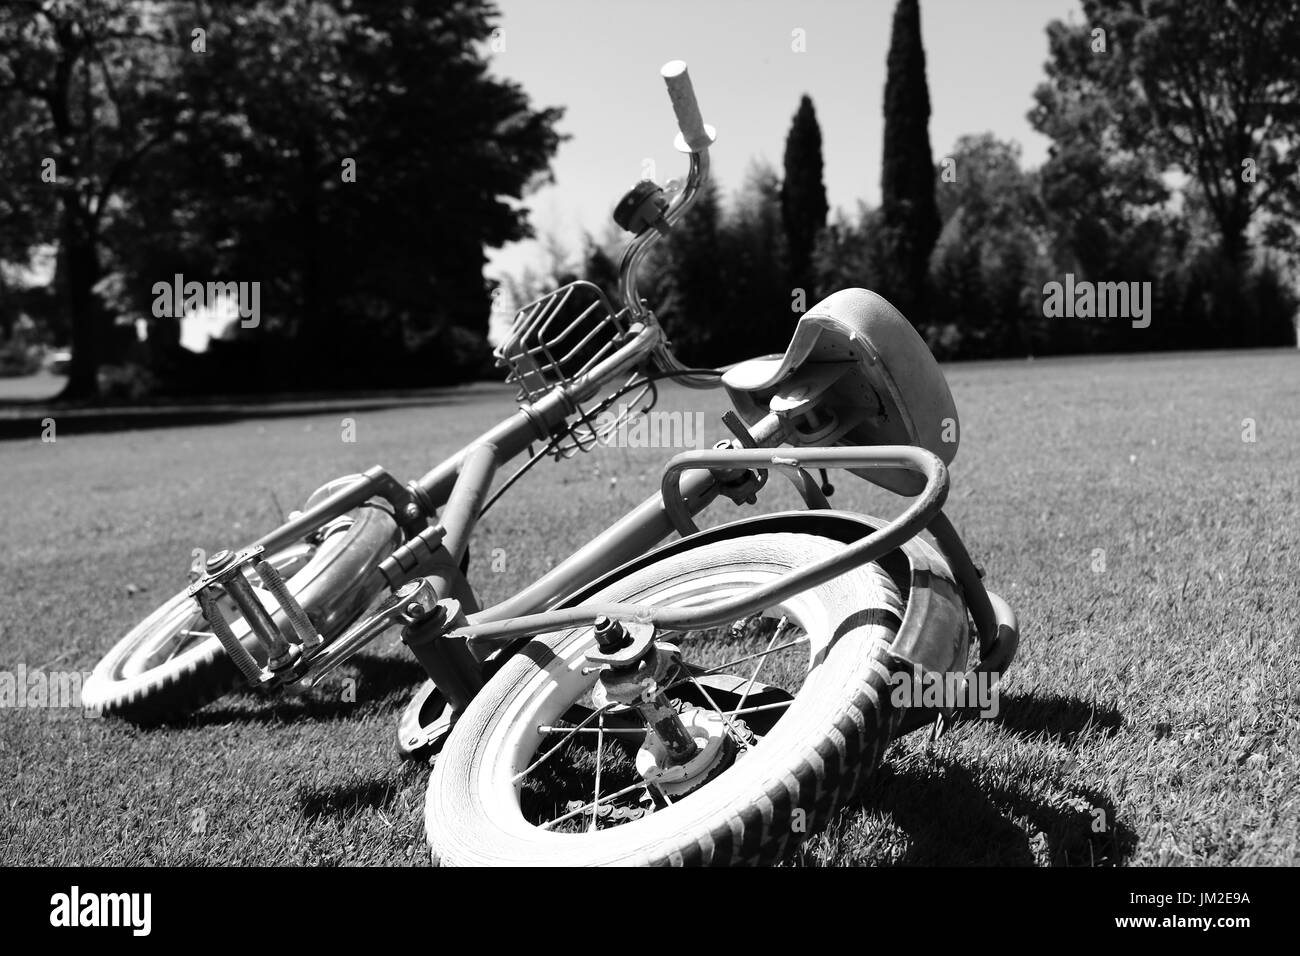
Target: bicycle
(612, 711)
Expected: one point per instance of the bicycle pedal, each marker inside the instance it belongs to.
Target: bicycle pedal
(227, 572)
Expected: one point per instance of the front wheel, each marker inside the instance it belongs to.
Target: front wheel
(172, 663)
(790, 708)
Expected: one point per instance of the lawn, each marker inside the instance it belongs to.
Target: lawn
(1152, 716)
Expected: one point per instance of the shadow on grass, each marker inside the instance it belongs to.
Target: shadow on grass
(379, 682)
(950, 818)
(354, 799)
(1061, 720)
(349, 801)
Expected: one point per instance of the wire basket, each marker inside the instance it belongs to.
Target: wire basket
(558, 338)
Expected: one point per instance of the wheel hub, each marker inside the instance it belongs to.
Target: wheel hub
(715, 749)
(684, 746)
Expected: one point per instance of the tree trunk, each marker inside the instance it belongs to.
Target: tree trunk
(319, 340)
(79, 268)
(1232, 244)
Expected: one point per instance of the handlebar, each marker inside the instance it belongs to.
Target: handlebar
(694, 138)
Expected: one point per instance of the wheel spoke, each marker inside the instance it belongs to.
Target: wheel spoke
(719, 668)
(779, 632)
(740, 738)
(603, 783)
(600, 751)
(188, 636)
(595, 714)
(760, 708)
(627, 731)
(578, 811)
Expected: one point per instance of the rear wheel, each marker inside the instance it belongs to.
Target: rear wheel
(790, 709)
(171, 663)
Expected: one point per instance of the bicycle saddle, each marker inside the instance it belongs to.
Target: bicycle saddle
(877, 375)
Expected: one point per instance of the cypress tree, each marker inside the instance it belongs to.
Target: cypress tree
(803, 195)
(911, 216)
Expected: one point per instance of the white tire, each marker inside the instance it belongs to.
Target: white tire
(815, 757)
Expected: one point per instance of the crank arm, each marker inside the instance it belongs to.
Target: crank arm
(409, 603)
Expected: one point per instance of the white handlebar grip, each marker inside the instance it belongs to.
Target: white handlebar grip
(695, 135)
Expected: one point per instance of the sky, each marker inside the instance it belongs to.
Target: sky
(601, 60)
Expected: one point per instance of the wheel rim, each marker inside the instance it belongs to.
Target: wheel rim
(539, 749)
(178, 628)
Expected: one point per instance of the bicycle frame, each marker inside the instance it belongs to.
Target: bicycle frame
(691, 482)
(438, 512)
(653, 632)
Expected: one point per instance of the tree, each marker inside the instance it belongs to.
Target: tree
(385, 154)
(85, 97)
(761, 306)
(600, 261)
(989, 256)
(803, 194)
(908, 209)
(1143, 95)
(1220, 88)
(691, 290)
(849, 252)
(353, 159)
(1097, 183)
(1207, 88)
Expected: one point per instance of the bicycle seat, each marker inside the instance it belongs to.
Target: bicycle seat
(890, 389)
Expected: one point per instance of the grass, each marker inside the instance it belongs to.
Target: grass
(1152, 716)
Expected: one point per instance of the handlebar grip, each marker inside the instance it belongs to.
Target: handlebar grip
(695, 135)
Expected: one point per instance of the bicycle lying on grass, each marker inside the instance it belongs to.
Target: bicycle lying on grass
(612, 711)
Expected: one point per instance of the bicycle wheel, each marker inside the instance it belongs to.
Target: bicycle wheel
(171, 663)
(517, 784)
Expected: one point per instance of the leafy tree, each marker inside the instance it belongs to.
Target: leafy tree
(389, 157)
(86, 96)
(691, 287)
(353, 158)
(803, 194)
(600, 260)
(849, 252)
(1144, 95)
(1206, 88)
(761, 304)
(1101, 182)
(988, 258)
(908, 209)
(717, 283)
(960, 297)
(1219, 89)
